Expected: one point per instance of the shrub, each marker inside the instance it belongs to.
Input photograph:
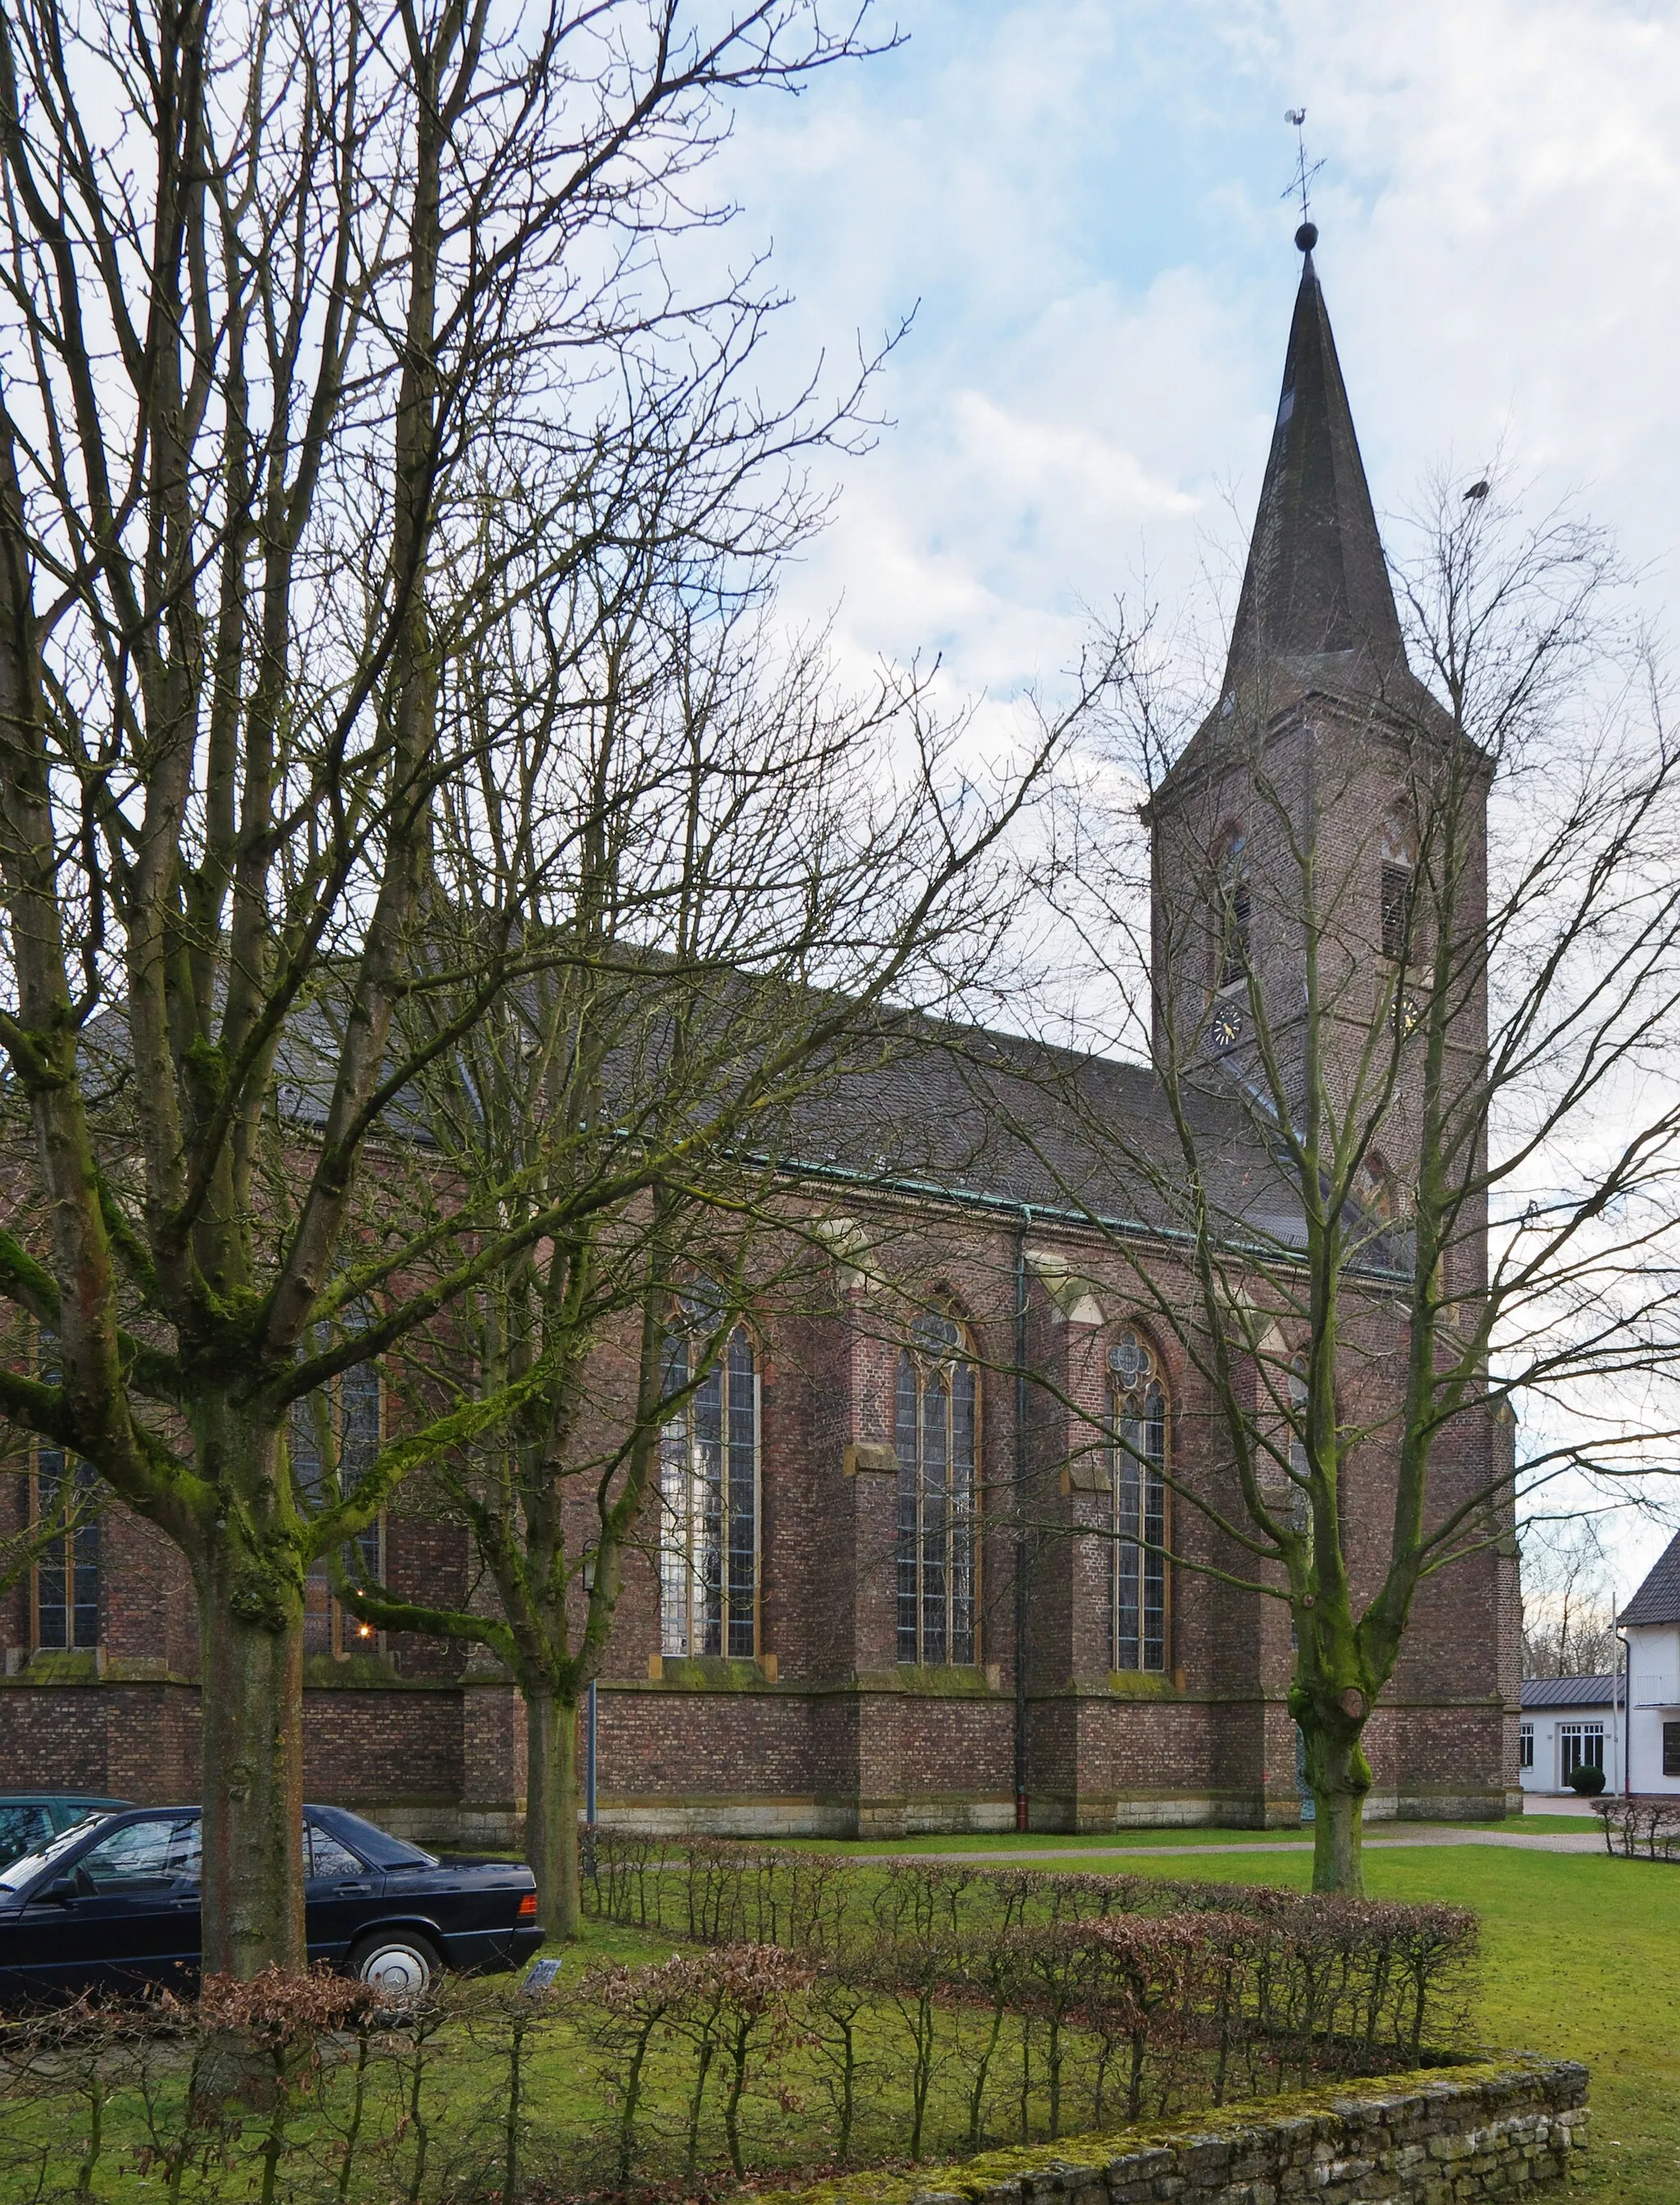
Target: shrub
(730, 2009)
(1642, 1822)
(886, 2014)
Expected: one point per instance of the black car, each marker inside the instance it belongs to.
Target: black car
(29, 1819)
(113, 1904)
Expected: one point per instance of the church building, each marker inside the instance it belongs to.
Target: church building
(900, 1582)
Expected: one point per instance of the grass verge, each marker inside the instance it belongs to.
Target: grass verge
(1195, 1835)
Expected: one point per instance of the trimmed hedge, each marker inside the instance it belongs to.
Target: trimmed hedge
(867, 2016)
(1273, 1965)
(1647, 1824)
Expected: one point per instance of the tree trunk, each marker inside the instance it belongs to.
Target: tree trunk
(551, 1808)
(251, 1641)
(1339, 1776)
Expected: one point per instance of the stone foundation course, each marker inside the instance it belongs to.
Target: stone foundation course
(1498, 2128)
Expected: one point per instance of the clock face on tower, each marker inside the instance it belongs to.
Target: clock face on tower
(1408, 1013)
(1225, 1025)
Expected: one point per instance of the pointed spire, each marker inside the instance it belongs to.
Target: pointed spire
(1316, 585)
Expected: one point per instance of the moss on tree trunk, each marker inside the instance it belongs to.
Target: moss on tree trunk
(1338, 1801)
(251, 1639)
(551, 1808)
(1332, 1725)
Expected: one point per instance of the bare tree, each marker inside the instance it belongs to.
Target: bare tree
(1413, 1165)
(735, 881)
(293, 296)
(1569, 1602)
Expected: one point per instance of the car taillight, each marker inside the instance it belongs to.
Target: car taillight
(528, 1906)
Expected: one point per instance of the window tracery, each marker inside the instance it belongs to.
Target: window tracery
(1138, 1574)
(336, 1435)
(936, 1431)
(67, 1571)
(709, 1481)
(64, 1587)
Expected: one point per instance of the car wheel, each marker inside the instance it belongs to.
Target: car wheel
(396, 1963)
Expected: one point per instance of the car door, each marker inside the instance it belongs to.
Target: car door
(340, 1893)
(134, 1918)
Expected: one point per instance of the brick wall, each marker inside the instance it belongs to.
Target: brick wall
(825, 1730)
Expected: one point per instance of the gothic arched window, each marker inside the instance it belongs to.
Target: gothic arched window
(1375, 1187)
(935, 1428)
(709, 1489)
(1297, 1422)
(1300, 1501)
(63, 1500)
(337, 1433)
(1231, 948)
(1137, 1564)
(1398, 887)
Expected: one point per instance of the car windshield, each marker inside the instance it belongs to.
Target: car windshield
(17, 1873)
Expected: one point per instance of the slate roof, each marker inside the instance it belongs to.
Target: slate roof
(1657, 1600)
(1316, 604)
(914, 1106)
(1316, 580)
(1017, 1123)
(1570, 1692)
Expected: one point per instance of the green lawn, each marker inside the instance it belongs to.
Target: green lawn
(993, 1841)
(989, 1842)
(1542, 1823)
(1583, 1959)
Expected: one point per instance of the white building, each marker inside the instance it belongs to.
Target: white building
(1651, 1620)
(1568, 1722)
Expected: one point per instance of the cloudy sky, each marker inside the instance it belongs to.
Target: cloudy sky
(1081, 200)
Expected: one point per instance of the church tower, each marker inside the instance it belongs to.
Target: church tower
(1326, 811)
(1318, 960)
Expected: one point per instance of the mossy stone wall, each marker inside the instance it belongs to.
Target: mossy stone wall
(1440, 2136)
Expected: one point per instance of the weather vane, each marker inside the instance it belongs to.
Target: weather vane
(1301, 181)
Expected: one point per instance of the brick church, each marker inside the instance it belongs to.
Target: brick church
(895, 1584)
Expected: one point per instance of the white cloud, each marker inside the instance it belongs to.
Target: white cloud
(1085, 200)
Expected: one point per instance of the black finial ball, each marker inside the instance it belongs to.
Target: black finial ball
(1307, 236)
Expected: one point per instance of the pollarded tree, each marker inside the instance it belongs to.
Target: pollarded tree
(292, 300)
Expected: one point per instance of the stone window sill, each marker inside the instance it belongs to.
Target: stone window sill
(713, 1673)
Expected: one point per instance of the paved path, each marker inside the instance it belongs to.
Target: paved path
(1534, 1841)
